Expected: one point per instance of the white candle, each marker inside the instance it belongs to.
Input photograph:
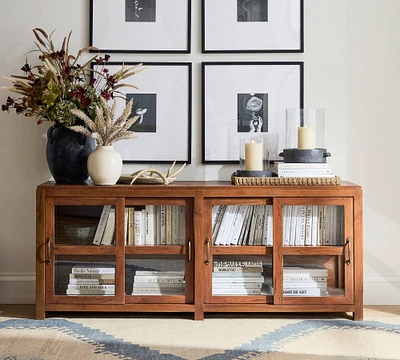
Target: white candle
(305, 138)
(253, 155)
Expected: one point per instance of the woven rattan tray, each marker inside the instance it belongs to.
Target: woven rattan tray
(291, 181)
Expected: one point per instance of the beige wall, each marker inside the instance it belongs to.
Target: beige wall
(352, 53)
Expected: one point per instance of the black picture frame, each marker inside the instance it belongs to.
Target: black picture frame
(163, 133)
(157, 27)
(226, 84)
(267, 26)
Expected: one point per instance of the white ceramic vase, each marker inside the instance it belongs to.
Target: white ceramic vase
(105, 165)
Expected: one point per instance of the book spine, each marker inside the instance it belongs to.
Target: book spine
(109, 231)
(149, 240)
(238, 264)
(101, 225)
(219, 214)
(287, 221)
(90, 292)
(90, 287)
(91, 276)
(314, 226)
(162, 225)
(238, 269)
(154, 285)
(293, 225)
(91, 281)
(77, 270)
(236, 291)
(157, 280)
(131, 226)
(304, 292)
(309, 218)
(159, 273)
(231, 285)
(168, 224)
(175, 225)
(157, 225)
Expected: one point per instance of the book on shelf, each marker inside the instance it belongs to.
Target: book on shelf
(160, 279)
(109, 231)
(91, 287)
(314, 225)
(300, 225)
(168, 222)
(237, 224)
(308, 230)
(217, 216)
(237, 285)
(90, 292)
(159, 273)
(287, 213)
(239, 278)
(150, 223)
(126, 214)
(237, 263)
(162, 225)
(91, 281)
(303, 270)
(157, 285)
(101, 225)
(93, 270)
(293, 220)
(304, 284)
(304, 279)
(175, 225)
(305, 292)
(236, 291)
(138, 227)
(182, 225)
(131, 226)
(258, 235)
(92, 276)
(267, 231)
(244, 237)
(163, 291)
(223, 233)
(258, 269)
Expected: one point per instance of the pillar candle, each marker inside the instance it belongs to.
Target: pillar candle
(305, 138)
(254, 156)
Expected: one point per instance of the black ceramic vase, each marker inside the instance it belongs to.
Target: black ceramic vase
(67, 152)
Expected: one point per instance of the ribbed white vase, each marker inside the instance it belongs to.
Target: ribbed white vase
(105, 165)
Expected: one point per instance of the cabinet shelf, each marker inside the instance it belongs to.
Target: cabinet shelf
(196, 276)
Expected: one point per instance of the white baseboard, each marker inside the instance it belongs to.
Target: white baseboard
(20, 289)
(17, 288)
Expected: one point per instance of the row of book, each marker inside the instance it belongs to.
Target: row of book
(91, 281)
(144, 225)
(313, 225)
(229, 278)
(282, 169)
(242, 225)
(159, 282)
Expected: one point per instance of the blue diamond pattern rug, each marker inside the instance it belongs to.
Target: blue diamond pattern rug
(215, 338)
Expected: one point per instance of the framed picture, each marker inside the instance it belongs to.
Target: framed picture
(140, 26)
(244, 26)
(163, 102)
(244, 98)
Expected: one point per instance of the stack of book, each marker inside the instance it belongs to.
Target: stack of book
(159, 282)
(91, 281)
(300, 280)
(237, 277)
(302, 169)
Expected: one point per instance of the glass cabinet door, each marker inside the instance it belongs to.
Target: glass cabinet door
(238, 250)
(314, 251)
(83, 239)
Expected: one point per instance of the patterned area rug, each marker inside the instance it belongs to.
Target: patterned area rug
(215, 338)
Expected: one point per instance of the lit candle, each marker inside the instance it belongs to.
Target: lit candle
(305, 138)
(253, 155)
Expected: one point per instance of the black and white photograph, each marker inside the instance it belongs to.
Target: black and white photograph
(252, 26)
(241, 98)
(144, 106)
(164, 125)
(141, 26)
(252, 10)
(140, 10)
(252, 113)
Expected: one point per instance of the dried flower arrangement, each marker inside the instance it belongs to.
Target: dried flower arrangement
(60, 84)
(106, 129)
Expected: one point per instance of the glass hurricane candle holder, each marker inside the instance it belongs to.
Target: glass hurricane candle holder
(305, 128)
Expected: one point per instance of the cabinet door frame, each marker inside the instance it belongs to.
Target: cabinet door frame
(346, 251)
(53, 250)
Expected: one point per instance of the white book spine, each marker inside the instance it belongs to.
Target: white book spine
(94, 270)
(236, 291)
(131, 226)
(157, 226)
(293, 221)
(90, 287)
(182, 225)
(90, 292)
(314, 225)
(305, 292)
(162, 225)
(288, 218)
(101, 225)
(307, 240)
(137, 227)
(91, 281)
(109, 231)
